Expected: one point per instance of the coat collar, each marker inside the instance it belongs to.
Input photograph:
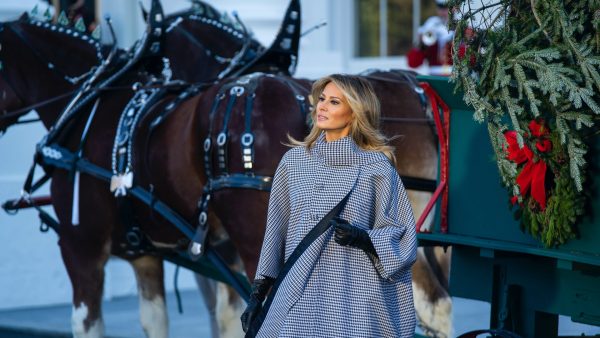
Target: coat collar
(343, 152)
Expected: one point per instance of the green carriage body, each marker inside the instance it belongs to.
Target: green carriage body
(492, 259)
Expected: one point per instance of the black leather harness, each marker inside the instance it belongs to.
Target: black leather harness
(50, 154)
(220, 176)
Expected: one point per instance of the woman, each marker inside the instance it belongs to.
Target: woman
(353, 280)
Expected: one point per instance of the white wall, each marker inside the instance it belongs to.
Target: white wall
(30, 263)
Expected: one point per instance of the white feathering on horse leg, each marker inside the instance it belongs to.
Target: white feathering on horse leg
(418, 201)
(78, 316)
(153, 316)
(208, 289)
(229, 307)
(434, 318)
(75, 209)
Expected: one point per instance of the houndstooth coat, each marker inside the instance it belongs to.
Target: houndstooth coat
(333, 290)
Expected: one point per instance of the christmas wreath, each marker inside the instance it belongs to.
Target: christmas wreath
(530, 69)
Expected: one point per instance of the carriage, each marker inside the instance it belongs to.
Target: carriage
(510, 267)
(527, 285)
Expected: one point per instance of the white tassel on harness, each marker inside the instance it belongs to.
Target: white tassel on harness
(75, 208)
(75, 215)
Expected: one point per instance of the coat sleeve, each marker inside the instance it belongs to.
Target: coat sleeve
(393, 233)
(273, 249)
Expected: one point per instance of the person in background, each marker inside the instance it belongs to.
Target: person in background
(434, 43)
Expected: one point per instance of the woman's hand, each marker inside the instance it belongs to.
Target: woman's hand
(346, 234)
(250, 314)
(260, 288)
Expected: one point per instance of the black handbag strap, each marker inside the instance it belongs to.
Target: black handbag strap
(312, 235)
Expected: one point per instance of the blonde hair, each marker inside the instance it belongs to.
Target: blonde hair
(364, 128)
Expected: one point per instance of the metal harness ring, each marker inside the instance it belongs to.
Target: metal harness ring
(237, 90)
(207, 144)
(247, 139)
(221, 139)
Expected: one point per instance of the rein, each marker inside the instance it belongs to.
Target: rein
(21, 111)
(28, 121)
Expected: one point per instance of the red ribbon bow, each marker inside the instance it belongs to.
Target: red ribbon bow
(533, 174)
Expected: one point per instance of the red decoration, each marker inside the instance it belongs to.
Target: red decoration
(533, 174)
(462, 51)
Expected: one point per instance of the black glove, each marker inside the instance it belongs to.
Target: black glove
(347, 234)
(260, 288)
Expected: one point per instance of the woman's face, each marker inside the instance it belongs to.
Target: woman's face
(333, 112)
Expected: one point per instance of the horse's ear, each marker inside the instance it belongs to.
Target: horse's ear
(282, 55)
(155, 27)
(144, 12)
(156, 14)
(152, 45)
(24, 17)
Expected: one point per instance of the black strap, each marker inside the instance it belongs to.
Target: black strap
(62, 158)
(317, 231)
(419, 184)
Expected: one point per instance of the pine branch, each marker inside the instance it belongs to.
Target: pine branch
(576, 151)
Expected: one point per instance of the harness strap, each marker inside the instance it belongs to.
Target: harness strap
(74, 173)
(247, 139)
(22, 111)
(208, 140)
(63, 160)
(245, 85)
(313, 234)
(242, 181)
(234, 93)
(123, 145)
(47, 221)
(189, 91)
(420, 184)
(29, 179)
(197, 245)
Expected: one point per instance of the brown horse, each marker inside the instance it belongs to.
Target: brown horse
(85, 247)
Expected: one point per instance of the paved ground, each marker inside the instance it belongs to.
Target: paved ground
(121, 319)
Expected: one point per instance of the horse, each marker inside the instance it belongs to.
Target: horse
(85, 265)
